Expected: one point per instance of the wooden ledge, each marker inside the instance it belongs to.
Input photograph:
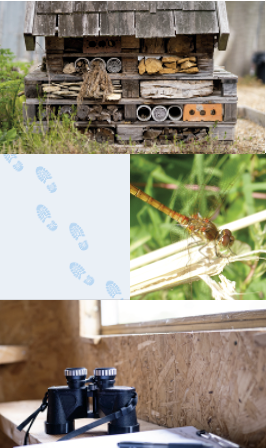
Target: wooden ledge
(12, 414)
(13, 353)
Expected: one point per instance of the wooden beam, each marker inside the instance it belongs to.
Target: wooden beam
(28, 26)
(30, 10)
(29, 42)
(223, 25)
(254, 115)
(13, 353)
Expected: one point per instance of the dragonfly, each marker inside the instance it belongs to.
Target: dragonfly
(195, 225)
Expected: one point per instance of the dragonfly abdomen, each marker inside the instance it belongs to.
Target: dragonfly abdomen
(181, 219)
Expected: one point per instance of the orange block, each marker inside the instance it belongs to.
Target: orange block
(203, 112)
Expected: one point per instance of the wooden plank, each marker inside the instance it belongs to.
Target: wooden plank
(205, 43)
(13, 353)
(98, 6)
(117, 24)
(207, 22)
(229, 89)
(216, 322)
(44, 25)
(126, 133)
(205, 66)
(175, 89)
(130, 42)
(170, 5)
(150, 124)
(161, 24)
(91, 24)
(54, 44)
(196, 22)
(254, 115)
(129, 66)
(33, 90)
(131, 112)
(29, 17)
(224, 32)
(44, 7)
(12, 414)
(198, 6)
(29, 42)
(130, 89)
(153, 7)
(230, 112)
(64, 7)
(128, 6)
(165, 101)
(219, 75)
(225, 133)
(30, 111)
(70, 25)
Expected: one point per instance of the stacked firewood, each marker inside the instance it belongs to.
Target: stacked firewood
(99, 113)
(168, 65)
(72, 89)
(171, 135)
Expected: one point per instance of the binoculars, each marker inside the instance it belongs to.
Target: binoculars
(71, 402)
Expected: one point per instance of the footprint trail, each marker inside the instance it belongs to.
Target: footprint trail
(43, 176)
(43, 214)
(77, 270)
(77, 232)
(112, 289)
(17, 166)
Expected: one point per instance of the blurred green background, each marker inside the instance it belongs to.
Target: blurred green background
(240, 181)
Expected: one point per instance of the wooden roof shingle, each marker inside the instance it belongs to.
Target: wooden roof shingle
(121, 18)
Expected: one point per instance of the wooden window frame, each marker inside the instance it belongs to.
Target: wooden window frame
(216, 322)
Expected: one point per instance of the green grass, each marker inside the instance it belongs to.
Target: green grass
(238, 176)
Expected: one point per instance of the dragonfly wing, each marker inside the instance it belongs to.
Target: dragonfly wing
(178, 233)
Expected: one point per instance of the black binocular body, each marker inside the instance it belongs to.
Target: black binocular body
(71, 402)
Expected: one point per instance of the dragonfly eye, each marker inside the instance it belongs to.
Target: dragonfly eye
(227, 238)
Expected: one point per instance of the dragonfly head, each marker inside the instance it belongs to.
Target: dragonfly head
(226, 239)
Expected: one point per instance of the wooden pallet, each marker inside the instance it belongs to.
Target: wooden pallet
(130, 128)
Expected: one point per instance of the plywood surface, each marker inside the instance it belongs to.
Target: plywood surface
(211, 380)
(12, 414)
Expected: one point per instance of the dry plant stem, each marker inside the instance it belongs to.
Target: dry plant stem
(177, 247)
(184, 267)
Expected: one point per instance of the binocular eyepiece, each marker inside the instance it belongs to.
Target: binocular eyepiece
(67, 403)
(76, 377)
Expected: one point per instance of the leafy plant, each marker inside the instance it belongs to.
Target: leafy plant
(11, 82)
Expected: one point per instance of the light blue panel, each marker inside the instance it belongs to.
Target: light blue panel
(64, 229)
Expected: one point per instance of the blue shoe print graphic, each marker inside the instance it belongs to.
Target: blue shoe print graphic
(77, 232)
(43, 176)
(77, 270)
(112, 289)
(17, 166)
(43, 214)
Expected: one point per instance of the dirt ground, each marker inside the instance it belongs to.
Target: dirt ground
(251, 96)
(249, 137)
